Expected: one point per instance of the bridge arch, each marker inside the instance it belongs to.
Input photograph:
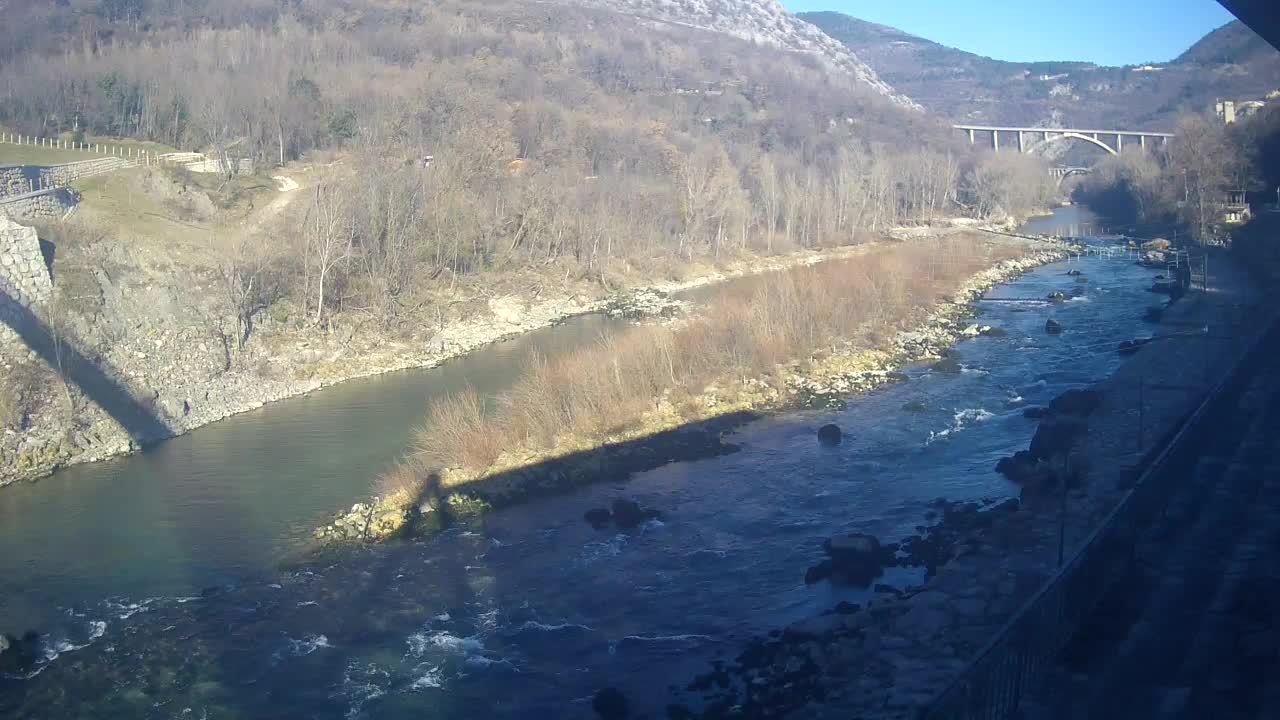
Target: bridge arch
(1074, 136)
(1071, 172)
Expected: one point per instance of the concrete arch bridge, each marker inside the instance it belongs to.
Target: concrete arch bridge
(1033, 140)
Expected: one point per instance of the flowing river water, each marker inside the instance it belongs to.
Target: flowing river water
(156, 579)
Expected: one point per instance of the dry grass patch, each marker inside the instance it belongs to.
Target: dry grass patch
(749, 331)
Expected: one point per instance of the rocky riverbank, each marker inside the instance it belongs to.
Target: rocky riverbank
(890, 657)
(691, 430)
(155, 341)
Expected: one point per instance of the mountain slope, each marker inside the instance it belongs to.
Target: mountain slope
(1230, 62)
(761, 21)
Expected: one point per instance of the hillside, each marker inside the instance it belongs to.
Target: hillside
(759, 21)
(1230, 62)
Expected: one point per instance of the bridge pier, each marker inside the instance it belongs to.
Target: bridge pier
(995, 140)
(1021, 143)
(1119, 143)
(970, 136)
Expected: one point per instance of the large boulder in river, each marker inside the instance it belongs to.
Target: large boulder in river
(1053, 327)
(856, 559)
(610, 704)
(829, 434)
(598, 518)
(628, 514)
(1079, 401)
(1156, 244)
(1020, 468)
(1055, 436)
(949, 365)
(17, 655)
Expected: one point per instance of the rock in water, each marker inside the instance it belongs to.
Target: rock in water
(610, 704)
(1079, 401)
(1035, 412)
(1056, 297)
(1019, 468)
(947, 365)
(628, 514)
(17, 655)
(598, 517)
(829, 435)
(855, 559)
(1055, 436)
(818, 572)
(1053, 327)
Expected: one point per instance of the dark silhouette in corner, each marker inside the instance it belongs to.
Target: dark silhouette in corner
(142, 424)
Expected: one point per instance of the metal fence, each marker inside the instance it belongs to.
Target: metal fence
(993, 684)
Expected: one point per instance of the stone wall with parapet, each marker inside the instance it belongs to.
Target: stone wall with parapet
(42, 205)
(24, 179)
(17, 179)
(24, 276)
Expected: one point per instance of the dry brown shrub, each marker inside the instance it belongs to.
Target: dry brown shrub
(458, 433)
(403, 482)
(745, 331)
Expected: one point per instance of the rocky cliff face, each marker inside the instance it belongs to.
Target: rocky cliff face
(762, 21)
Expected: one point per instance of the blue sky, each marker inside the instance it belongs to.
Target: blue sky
(1107, 32)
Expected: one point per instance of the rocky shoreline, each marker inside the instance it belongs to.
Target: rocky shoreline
(204, 386)
(667, 436)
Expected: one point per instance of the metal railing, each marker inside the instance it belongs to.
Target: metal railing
(992, 686)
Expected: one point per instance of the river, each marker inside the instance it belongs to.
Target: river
(528, 611)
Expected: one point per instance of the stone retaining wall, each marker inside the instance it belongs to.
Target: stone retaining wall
(42, 205)
(24, 179)
(70, 172)
(17, 179)
(24, 277)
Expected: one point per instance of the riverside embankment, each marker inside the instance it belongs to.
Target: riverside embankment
(535, 601)
(185, 378)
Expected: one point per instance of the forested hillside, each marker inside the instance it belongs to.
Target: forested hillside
(556, 132)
